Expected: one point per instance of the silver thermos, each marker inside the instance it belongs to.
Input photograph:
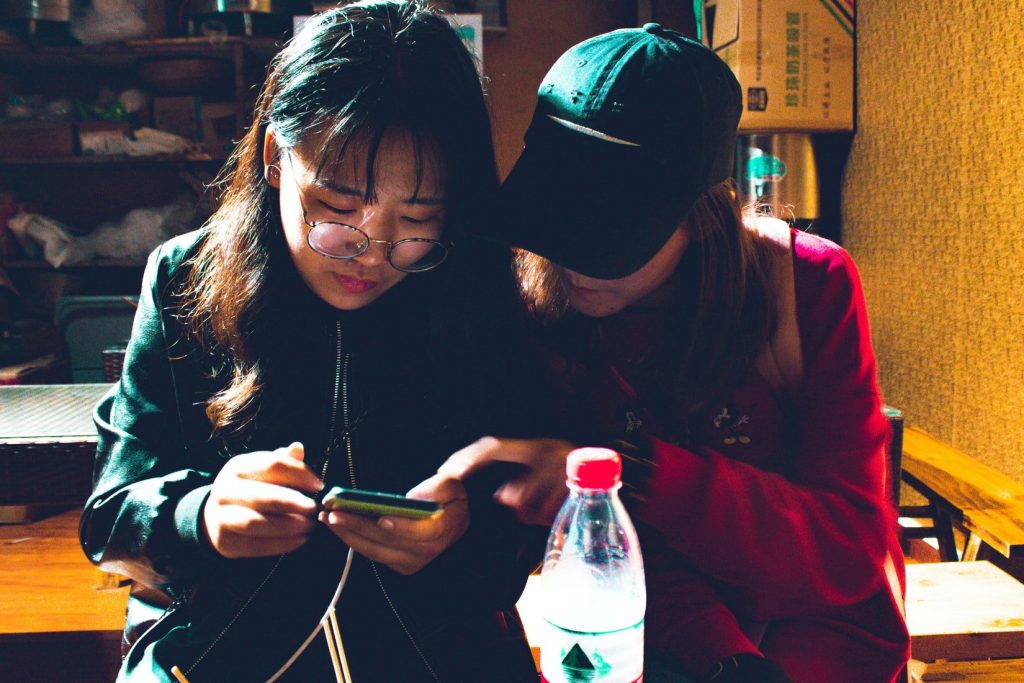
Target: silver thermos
(779, 173)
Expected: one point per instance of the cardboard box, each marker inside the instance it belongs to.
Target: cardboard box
(50, 369)
(178, 115)
(36, 139)
(793, 58)
(219, 126)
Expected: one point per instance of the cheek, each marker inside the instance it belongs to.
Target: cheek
(296, 242)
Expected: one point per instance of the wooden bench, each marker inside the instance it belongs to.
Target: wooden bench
(987, 671)
(985, 503)
(964, 611)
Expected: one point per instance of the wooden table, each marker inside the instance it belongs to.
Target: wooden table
(56, 624)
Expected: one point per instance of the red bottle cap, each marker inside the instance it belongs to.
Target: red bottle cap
(593, 468)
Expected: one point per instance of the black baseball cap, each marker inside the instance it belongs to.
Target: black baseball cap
(630, 128)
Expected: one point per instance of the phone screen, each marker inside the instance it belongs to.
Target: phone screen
(377, 504)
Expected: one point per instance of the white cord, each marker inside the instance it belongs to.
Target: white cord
(346, 677)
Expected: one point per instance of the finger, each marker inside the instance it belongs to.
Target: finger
(249, 522)
(529, 505)
(451, 521)
(363, 526)
(277, 467)
(295, 450)
(412, 535)
(266, 498)
(238, 546)
(469, 459)
(397, 558)
(441, 488)
(241, 521)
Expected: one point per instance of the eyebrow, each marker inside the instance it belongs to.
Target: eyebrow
(353, 192)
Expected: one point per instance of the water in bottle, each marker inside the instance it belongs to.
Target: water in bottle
(592, 581)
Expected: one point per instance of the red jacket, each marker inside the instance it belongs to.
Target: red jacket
(775, 532)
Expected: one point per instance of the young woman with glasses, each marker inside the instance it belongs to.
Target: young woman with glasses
(319, 330)
(727, 357)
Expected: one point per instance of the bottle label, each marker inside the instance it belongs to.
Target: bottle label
(592, 656)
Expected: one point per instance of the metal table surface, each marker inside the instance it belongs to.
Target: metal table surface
(41, 412)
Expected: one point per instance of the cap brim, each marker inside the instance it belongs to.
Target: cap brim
(599, 208)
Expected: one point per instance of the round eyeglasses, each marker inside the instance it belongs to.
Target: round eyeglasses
(343, 241)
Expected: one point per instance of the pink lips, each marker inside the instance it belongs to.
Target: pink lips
(354, 285)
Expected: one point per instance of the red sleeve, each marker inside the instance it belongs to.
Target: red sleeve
(686, 616)
(818, 536)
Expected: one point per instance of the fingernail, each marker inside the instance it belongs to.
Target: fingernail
(386, 523)
(338, 519)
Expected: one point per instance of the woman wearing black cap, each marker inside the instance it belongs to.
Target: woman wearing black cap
(725, 355)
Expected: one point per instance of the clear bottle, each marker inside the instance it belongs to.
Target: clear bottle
(592, 580)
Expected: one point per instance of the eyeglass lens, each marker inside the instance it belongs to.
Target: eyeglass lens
(342, 241)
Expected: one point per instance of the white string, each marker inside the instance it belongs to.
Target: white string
(332, 618)
(320, 625)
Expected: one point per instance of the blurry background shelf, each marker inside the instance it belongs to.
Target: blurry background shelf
(116, 159)
(35, 264)
(127, 54)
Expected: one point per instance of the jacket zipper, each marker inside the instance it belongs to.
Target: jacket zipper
(340, 387)
(171, 609)
(334, 404)
(237, 614)
(323, 474)
(352, 478)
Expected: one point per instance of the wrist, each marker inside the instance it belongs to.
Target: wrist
(747, 668)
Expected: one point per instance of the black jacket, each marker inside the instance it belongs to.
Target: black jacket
(361, 392)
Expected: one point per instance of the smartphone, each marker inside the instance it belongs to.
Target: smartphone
(377, 504)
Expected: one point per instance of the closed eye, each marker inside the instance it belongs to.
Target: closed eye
(337, 209)
(418, 221)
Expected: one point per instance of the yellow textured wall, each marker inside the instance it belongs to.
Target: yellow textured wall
(933, 215)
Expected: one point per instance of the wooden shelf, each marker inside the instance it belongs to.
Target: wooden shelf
(115, 159)
(127, 54)
(38, 264)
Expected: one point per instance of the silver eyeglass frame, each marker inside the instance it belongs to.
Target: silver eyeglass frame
(389, 245)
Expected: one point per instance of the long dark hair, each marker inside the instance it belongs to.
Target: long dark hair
(725, 312)
(354, 72)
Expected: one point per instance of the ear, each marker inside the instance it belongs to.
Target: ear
(271, 158)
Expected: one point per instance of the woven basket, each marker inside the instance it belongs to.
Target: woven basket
(47, 442)
(113, 361)
(55, 471)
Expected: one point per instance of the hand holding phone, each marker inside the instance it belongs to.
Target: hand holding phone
(402, 533)
(376, 503)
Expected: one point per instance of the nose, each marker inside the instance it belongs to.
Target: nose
(371, 224)
(375, 254)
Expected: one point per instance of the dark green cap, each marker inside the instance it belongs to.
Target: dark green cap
(630, 128)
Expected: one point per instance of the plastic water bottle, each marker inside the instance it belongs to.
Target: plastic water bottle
(592, 581)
